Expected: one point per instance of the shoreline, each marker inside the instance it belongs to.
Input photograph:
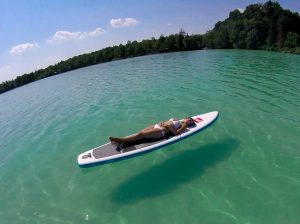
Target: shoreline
(12, 82)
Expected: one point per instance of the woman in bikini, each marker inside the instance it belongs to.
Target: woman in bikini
(157, 131)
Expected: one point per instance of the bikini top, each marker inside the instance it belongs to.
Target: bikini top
(176, 123)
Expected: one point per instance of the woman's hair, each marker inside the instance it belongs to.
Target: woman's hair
(192, 122)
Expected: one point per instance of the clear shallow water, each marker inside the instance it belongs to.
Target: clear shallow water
(243, 169)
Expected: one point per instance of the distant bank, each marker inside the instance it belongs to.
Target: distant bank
(261, 26)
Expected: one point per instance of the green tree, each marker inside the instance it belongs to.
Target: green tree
(170, 43)
(292, 40)
(179, 40)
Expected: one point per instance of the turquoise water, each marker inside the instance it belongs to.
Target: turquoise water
(243, 169)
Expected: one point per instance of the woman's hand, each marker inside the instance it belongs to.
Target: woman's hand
(170, 127)
(163, 124)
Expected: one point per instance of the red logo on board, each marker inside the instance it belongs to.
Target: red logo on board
(197, 119)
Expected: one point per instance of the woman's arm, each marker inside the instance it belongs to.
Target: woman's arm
(172, 129)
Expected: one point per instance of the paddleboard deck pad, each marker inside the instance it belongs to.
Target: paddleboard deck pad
(109, 152)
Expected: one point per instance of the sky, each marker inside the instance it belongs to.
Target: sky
(35, 33)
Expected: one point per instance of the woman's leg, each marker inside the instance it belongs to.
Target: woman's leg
(147, 128)
(148, 132)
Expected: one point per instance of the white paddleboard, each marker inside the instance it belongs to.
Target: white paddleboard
(108, 153)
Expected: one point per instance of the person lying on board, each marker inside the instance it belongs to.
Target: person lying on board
(157, 131)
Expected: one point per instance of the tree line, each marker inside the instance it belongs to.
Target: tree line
(261, 26)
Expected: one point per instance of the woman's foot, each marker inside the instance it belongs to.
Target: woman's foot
(115, 140)
(119, 145)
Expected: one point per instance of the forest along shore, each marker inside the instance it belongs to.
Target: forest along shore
(261, 26)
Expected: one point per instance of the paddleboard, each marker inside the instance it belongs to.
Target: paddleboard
(109, 152)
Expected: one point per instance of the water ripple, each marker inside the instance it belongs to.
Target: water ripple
(44, 125)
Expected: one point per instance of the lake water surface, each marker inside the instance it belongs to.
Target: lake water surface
(243, 169)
